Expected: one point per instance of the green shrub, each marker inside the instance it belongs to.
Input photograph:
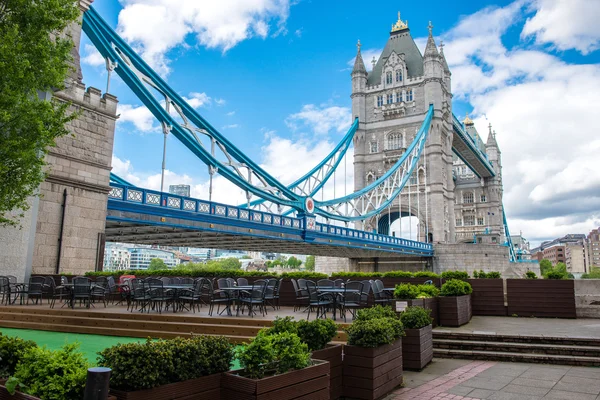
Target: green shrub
(456, 287)
(356, 275)
(428, 290)
(455, 275)
(406, 291)
(279, 353)
(398, 274)
(553, 274)
(11, 351)
(316, 334)
(378, 311)
(50, 375)
(416, 317)
(530, 275)
(494, 275)
(426, 274)
(374, 332)
(315, 276)
(137, 366)
(486, 275)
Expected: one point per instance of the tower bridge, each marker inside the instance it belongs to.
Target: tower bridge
(412, 157)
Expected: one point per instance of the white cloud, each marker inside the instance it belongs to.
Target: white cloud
(157, 26)
(321, 119)
(367, 55)
(91, 56)
(220, 102)
(298, 33)
(540, 107)
(231, 126)
(197, 100)
(230, 113)
(566, 24)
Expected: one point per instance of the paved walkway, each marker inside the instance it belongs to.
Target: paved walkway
(466, 380)
(580, 327)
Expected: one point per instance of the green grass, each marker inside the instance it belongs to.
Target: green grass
(89, 345)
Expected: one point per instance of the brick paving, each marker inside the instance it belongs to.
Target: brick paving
(438, 387)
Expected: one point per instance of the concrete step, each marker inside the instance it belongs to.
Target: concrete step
(517, 357)
(493, 337)
(508, 347)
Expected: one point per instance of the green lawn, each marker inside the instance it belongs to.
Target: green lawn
(88, 344)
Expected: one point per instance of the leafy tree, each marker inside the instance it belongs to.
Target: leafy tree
(32, 61)
(293, 262)
(230, 263)
(157, 264)
(310, 263)
(593, 274)
(545, 266)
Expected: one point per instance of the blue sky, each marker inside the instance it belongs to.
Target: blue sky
(273, 75)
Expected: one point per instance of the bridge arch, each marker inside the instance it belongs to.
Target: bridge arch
(394, 224)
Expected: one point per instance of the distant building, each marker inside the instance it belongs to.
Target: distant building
(140, 257)
(575, 258)
(180, 190)
(116, 257)
(556, 251)
(521, 246)
(592, 248)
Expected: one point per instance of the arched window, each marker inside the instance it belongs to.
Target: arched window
(394, 141)
(388, 78)
(468, 198)
(370, 178)
(398, 76)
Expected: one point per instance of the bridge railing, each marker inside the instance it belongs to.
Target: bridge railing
(374, 237)
(175, 202)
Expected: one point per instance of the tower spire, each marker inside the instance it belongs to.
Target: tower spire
(431, 48)
(359, 65)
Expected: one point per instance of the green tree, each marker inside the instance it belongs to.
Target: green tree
(231, 263)
(593, 274)
(310, 263)
(293, 262)
(32, 61)
(545, 266)
(157, 264)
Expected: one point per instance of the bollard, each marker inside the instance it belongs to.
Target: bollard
(96, 385)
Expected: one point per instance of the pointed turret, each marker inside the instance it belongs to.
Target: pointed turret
(431, 49)
(491, 140)
(359, 65)
(443, 58)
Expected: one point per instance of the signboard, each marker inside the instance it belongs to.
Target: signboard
(401, 306)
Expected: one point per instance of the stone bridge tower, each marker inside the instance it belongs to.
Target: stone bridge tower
(391, 102)
(63, 230)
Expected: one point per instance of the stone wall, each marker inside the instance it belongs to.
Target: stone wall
(329, 265)
(475, 257)
(587, 298)
(16, 244)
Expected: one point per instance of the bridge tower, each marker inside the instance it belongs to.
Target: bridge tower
(391, 102)
(63, 230)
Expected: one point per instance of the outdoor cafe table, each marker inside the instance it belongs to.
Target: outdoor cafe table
(335, 291)
(231, 289)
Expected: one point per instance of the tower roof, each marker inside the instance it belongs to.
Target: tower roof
(468, 121)
(359, 65)
(491, 140)
(431, 49)
(443, 58)
(400, 42)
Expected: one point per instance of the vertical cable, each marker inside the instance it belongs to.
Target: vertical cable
(409, 209)
(418, 206)
(426, 195)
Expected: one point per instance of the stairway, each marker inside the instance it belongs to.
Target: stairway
(111, 323)
(517, 348)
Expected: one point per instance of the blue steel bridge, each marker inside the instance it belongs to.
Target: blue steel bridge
(275, 217)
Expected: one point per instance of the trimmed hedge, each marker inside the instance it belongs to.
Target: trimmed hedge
(416, 317)
(138, 366)
(398, 274)
(209, 273)
(409, 291)
(304, 275)
(316, 334)
(426, 274)
(456, 287)
(486, 275)
(455, 275)
(374, 332)
(355, 275)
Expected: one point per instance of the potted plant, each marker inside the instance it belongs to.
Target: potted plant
(316, 334)
(168, 369)
(417, 345)
(373, 355)
(419, 295)
(276, 366)
(455, 303)
(47, 374)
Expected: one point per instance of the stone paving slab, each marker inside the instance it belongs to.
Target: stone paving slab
(447, 379)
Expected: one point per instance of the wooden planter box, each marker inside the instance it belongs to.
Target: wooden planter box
(417, 348)
(487, 297)
(454, 310)
(371, 373)
(4, 395)
(541, 298)
(208, 387)
(308, 383)
(333, 355)
(430, 303)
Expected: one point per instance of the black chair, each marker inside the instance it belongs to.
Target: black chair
(217, 297)
(81, 291)
(325, 283)
(186, 281)
(54, 292)
(242, 282)
(338, 283)
(271, 292)
(167, 281)
(139, 295)
(34, 289)
(252, 298)
(159, 296)
(277, 292)
(316, 300)
(350, 300)
(379, 294)
(364, 296)
(4, 290)
(192, 296)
